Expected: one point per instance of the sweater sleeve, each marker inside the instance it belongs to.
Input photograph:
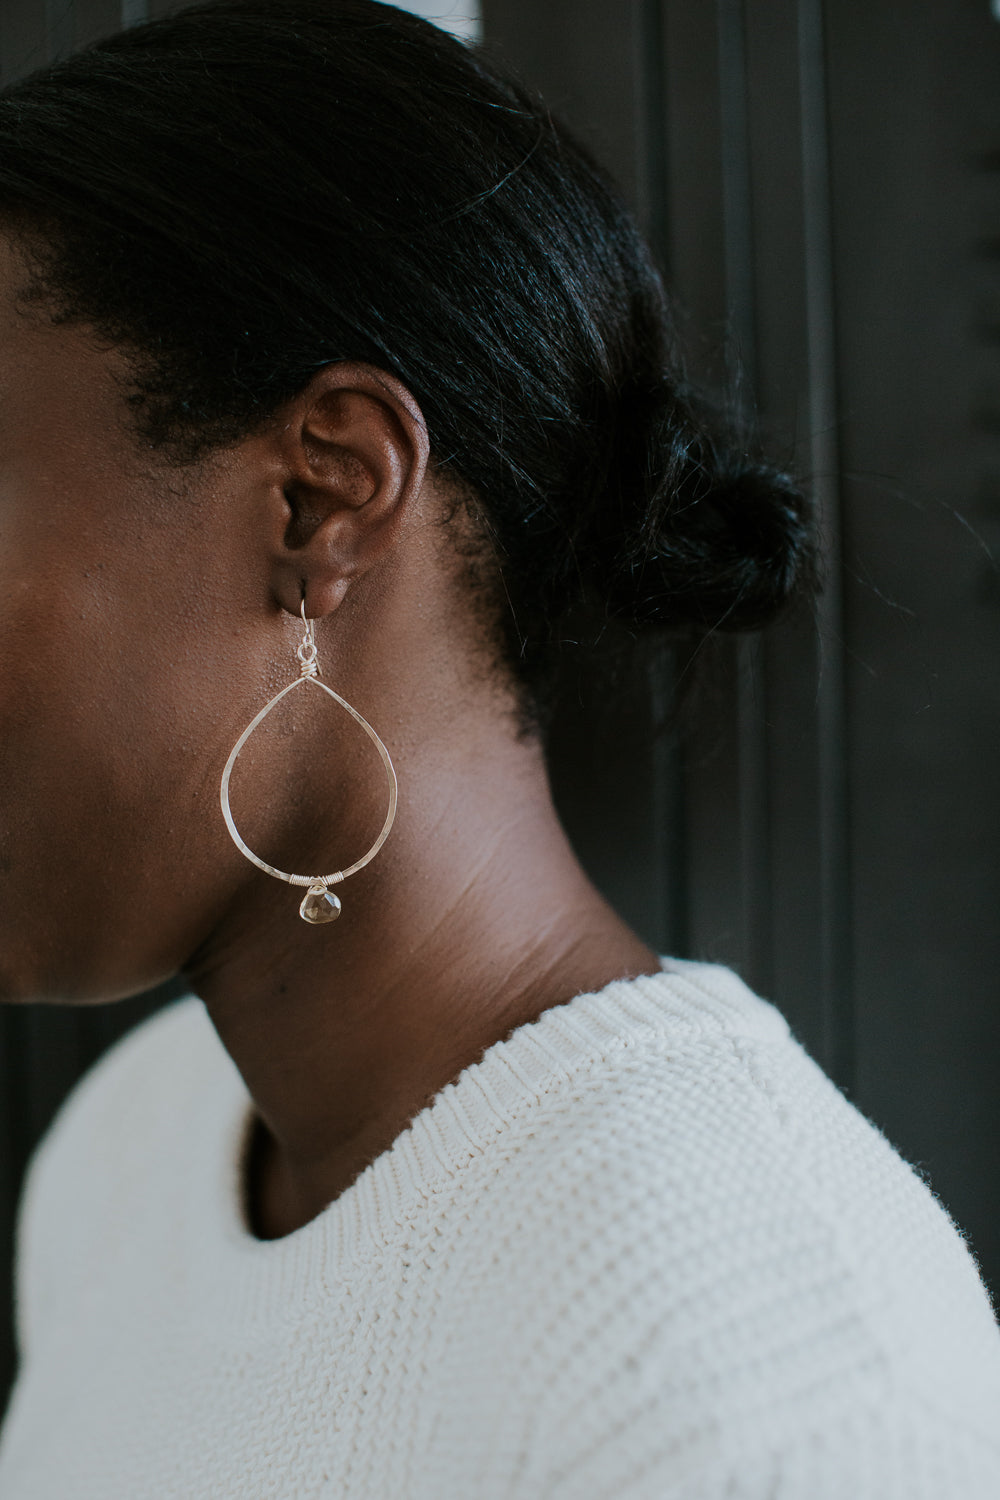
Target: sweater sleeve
(775, 1307)
(892, 1445)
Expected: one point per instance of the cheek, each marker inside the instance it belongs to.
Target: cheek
(109, 828)
(111, 843)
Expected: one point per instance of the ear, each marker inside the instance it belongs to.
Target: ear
(353, 454)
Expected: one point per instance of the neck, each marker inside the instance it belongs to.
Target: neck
(474, 918)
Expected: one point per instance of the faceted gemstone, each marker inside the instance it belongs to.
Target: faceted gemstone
(319, 905)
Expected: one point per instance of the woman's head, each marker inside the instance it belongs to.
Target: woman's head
(249, 191)
(302, 297)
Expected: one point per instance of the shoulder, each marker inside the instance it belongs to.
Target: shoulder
(700, 1221)
(699, 1089)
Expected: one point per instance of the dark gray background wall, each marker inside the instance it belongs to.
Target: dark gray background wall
(820, 183)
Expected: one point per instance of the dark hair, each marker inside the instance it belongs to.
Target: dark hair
(248, 190)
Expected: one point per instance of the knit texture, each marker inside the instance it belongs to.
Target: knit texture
(644, 1249)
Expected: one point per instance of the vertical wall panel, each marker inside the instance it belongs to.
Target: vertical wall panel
(23, 38)
(825, 192)
(585, 56)
(915, 201)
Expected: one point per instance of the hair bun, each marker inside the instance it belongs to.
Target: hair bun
(708, 535)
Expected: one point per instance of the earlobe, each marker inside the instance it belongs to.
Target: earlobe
(354, 453)
(322, 590)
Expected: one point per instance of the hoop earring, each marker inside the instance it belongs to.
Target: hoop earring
(319, 904)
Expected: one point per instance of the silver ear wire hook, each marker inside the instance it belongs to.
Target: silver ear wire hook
(306, 652)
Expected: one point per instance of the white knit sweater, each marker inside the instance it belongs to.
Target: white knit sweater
(644, 1249)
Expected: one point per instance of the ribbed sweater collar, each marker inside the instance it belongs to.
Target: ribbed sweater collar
(255, 1281)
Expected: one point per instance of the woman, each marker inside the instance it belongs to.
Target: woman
(329, 360)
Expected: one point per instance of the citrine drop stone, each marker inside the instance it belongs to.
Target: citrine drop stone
(319, 904)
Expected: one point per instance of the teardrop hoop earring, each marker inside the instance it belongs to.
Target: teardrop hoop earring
(319, 904)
